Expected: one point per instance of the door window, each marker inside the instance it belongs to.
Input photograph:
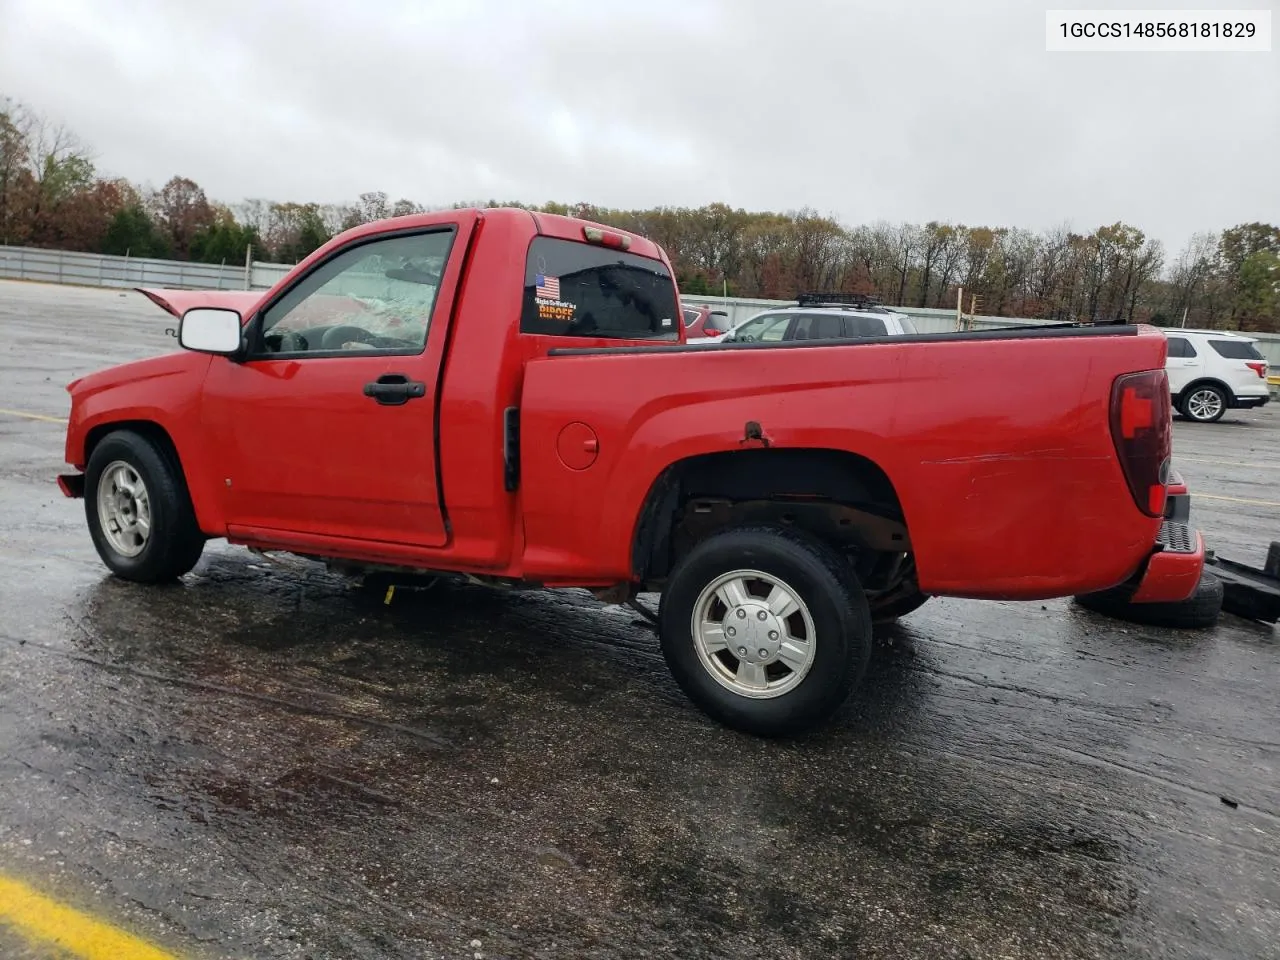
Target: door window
(1236, 349)
(374, 298)
(769, 328)
(1180, 347)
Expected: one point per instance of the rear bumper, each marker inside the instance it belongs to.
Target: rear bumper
(1172, 572)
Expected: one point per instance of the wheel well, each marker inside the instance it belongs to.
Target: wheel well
(1207, 381)
(146, 428)
(841, 497)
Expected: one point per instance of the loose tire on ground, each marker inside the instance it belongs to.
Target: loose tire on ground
(139, 511)
(786, 601)
(1198, 611)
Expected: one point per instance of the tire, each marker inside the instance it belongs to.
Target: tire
(1197, 612)
(805, 680)
(898, 607)
(173, 542)
(1204, 403)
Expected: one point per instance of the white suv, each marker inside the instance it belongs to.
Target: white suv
(1212, 370)
(819, 317)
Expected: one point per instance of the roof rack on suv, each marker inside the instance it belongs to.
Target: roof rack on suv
(858, 300)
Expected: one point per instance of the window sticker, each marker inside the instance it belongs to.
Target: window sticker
(546, 292)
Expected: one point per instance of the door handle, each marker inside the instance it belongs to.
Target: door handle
(394, 389)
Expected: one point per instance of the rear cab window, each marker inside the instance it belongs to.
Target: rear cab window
(576, 289)
(1236, 349)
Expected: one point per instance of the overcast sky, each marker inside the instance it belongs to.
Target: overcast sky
(864, 109)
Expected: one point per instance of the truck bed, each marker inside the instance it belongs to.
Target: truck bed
(997, 443)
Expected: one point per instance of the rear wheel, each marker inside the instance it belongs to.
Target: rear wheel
(1204, 403)
(766, 629)
(138, 509)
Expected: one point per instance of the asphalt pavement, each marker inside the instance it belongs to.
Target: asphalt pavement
(263, 762)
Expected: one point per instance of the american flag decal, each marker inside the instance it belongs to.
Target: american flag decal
(548, 288)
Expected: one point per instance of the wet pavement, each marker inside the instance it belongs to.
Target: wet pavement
(265, 762)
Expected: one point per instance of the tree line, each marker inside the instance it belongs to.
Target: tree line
(51, 195)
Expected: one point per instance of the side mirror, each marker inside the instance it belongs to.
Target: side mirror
(210, 330)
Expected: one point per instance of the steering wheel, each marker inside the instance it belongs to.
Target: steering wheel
(335, 337)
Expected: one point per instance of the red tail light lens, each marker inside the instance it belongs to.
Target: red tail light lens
(1259, 367)
(712, 332)
(1142, 428)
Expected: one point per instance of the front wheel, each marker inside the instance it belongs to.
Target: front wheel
(139, 512)
(766, 629)
(1204, 404)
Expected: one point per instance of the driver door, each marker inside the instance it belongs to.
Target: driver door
(327, 427)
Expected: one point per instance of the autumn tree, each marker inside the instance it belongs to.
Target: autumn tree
(182, 211)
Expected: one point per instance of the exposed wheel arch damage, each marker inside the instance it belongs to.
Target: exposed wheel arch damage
(826, 492)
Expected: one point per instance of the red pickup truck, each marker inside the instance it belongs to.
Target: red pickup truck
(506, 396)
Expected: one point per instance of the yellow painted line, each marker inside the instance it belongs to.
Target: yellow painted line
(39, 919)
(26, 415)
(1197, 495)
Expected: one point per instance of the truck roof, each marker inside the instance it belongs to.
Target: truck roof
(547, 224)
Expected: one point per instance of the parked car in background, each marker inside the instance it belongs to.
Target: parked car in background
(820, 316)
(703, 322)
(1211, 371)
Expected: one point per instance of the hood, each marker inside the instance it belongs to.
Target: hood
(178, 302)
(181, 364)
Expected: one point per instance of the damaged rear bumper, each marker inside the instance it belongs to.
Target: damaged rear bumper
(1173, 570)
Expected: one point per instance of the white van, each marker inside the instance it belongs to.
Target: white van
(1213, 370)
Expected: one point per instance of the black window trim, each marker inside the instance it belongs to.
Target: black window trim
(253, 328)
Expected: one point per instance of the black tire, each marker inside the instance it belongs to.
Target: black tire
(1197, 612)
(175, 541)
(891, 610)
(1184, 402)
(837, 608)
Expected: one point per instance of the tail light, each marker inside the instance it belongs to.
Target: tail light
(1142, 428)
(1259, 367)
(712, 332)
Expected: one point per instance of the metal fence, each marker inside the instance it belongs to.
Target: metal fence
(91, 269)
(99, 270)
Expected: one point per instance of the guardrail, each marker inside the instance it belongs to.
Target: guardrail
(102, 270)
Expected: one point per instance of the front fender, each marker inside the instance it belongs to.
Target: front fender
(163, 392)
